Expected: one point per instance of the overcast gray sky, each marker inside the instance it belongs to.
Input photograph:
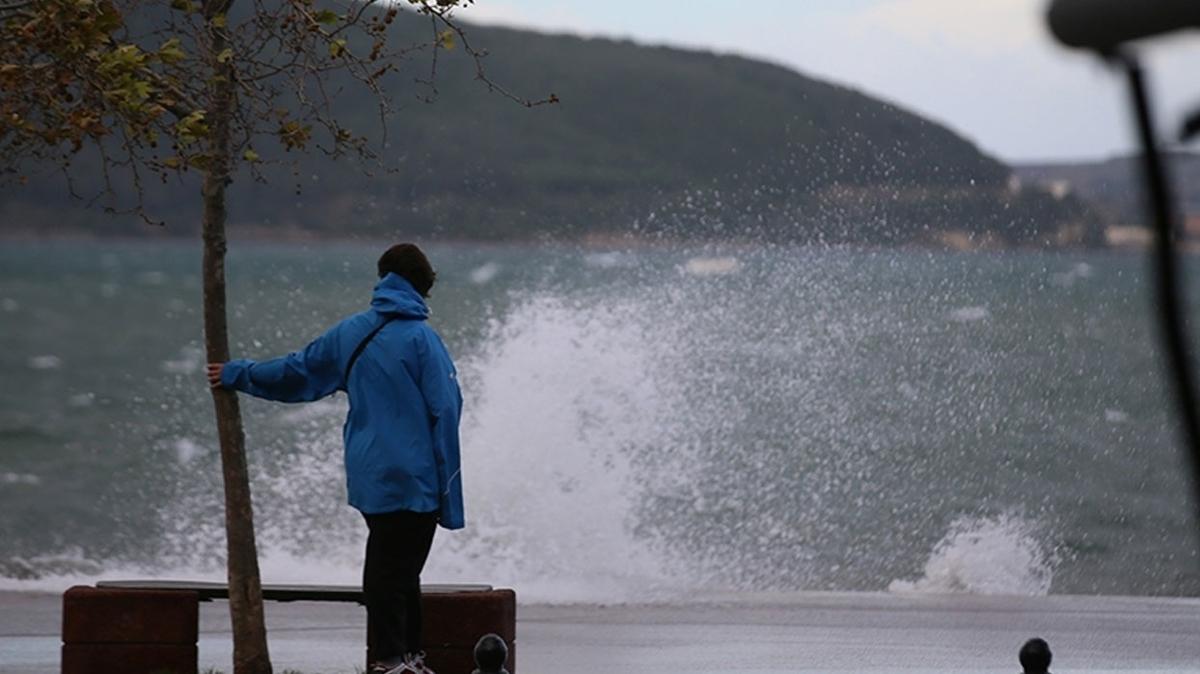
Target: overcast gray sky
(986, 68)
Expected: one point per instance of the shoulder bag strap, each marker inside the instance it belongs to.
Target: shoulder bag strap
(359, 349)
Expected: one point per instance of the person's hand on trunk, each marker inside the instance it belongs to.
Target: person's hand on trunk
(214, 374)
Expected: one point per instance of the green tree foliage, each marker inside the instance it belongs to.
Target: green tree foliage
(125, 79)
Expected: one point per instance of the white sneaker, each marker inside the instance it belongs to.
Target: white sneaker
(416, 663)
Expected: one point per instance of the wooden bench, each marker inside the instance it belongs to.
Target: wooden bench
(151, 626)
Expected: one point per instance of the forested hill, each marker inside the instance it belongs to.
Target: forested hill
(646, 140)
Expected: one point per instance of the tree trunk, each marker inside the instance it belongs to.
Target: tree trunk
(250, 654)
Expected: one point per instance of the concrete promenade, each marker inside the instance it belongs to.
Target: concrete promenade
(755, 634)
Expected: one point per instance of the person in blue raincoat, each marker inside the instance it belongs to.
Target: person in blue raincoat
(401, 437)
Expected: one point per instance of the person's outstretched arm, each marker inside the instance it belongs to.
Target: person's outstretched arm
(309, 374)
(443, 402)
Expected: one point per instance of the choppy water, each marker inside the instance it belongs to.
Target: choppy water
(648, 423)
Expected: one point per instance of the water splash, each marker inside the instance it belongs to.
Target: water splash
(986, 555)
(554, 400)
(970, 314)
(810, 422)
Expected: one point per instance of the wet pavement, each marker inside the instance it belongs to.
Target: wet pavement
(756, 634)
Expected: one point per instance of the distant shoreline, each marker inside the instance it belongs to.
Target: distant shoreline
(941, 241)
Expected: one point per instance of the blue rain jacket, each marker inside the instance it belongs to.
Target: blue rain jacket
(401, 433)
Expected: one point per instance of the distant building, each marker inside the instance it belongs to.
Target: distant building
(1059, 188)
(1128, 236)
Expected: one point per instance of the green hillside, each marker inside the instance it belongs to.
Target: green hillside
(646, 140)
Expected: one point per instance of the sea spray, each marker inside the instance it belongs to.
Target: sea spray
(649, 437)
(556, 399)
(813, 419)
(987, 555)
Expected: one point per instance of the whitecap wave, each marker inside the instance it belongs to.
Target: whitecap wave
(712, 266)
(45, 362)
(610, 260)
(484, 273)
(1115, 416)
(986, 555)
(970, 314)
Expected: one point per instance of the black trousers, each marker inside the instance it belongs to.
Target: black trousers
(397, 547)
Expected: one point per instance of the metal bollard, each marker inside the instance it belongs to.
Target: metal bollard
(1035, 656)
(490, 655)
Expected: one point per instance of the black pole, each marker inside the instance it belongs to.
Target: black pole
(1170, 311)
(490, 655)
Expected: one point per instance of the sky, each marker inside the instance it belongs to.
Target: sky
(986, 68)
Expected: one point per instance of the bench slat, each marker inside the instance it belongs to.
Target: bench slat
(209, 591)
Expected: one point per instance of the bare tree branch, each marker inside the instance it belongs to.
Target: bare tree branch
(14, 7)
(443, 14)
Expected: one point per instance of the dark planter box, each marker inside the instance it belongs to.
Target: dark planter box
(129, 631)
(144, 629)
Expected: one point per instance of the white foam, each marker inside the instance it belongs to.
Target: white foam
(48, 573)
(20, 478)
(9, 305)
(45, 362)
(189, 361)
(712, 266)
(484, 273)
(988, 555)
(970, 314)
(1114, 416)
(186, 450)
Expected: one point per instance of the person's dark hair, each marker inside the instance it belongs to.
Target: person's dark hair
(1035, 656)
(407, 261)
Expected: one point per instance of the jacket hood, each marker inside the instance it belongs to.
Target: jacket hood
(394, 296)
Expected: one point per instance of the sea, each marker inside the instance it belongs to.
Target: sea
(644, 423)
